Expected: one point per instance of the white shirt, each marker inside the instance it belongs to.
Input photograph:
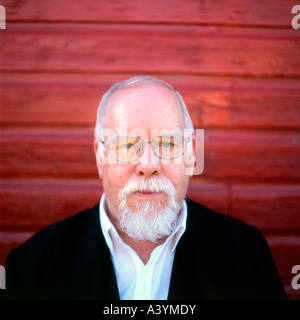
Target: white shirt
(135, 280)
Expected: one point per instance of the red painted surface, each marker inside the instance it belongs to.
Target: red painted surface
(236, 63)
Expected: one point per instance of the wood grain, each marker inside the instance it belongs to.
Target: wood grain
(232, 12)
(41, 202)
(221, 102)
(267, 206)
(227, 154)
(155, 49)
(270, 207)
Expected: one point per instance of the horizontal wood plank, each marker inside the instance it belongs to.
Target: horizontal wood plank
(267, 206)
(212, 194)
(250, 12)
(155, 49)
(32, 204)
(47, 152)
(227, 154)
(72, 100)
(252, 154)
(35, 204)
(265, 103)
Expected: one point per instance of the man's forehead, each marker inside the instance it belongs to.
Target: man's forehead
(145, 107)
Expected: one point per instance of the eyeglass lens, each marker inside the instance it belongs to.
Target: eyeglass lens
(127, 148)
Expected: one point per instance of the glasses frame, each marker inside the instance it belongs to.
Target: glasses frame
(186, 141)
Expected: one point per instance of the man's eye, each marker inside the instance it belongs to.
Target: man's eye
(126, 146)
(167, 144)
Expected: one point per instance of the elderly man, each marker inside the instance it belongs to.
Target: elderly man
(144, 240)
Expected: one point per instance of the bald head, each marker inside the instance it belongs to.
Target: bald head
(139, 83)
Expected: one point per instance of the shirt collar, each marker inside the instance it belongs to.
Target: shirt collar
(181, 225)
(110, 233)
(108, 229)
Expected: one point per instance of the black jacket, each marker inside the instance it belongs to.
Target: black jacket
(218, 257)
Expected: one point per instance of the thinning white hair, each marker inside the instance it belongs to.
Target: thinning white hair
(139, 81)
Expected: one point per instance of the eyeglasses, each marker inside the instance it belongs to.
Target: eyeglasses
(126, 149)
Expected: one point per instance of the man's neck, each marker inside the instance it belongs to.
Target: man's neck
(142, 248)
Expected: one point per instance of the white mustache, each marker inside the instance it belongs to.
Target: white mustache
(152, 184)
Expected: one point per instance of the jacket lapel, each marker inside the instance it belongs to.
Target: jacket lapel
(192, 269)
(93, 268)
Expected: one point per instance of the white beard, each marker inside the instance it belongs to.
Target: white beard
(149, 220)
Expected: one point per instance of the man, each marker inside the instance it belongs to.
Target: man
(144, 240)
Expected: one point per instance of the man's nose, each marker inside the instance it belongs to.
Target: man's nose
(149, 163)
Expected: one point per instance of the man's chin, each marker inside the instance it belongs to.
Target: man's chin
(150, 222)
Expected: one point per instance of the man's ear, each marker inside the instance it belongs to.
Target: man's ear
(194, 151)
(98, 156)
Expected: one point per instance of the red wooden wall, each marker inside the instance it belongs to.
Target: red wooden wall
(237, 64)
